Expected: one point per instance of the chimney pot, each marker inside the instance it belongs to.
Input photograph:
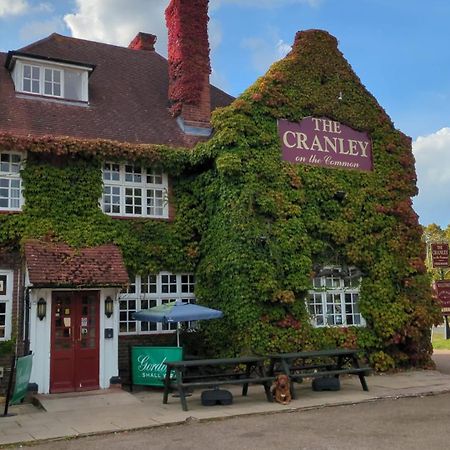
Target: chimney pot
(143, 41)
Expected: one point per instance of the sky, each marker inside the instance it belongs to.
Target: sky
(398, 48)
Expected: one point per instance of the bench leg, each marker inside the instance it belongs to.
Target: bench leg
(292, 390)
(244, 389)
(362, 378)
(183, 399)
(166, 386)
(166, 395)
(269, 395)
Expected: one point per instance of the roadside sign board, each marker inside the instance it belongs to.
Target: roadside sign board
(23, 373)
(439, 255)
(442, 288)
(147, 364)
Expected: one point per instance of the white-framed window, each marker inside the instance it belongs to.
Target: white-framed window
(334, 298)
(52, 79)
(10, 181)
(133, 190)
(6, 291)
(147, 291)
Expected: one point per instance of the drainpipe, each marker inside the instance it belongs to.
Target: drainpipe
(26, 347)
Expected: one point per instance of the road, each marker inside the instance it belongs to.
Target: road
(408, 423)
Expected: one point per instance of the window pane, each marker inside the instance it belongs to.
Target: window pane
(27, 85)
(73, 84)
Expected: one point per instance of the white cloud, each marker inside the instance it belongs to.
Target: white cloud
(282, 48)
(215, 34)
(265, 51)
(13, 7)
(432, 155)
(33, 31)
(264, 3)
(45, 7)
(118, 21)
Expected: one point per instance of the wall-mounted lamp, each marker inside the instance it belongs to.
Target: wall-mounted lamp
(41, 308)
(109, 307)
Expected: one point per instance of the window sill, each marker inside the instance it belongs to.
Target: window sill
(162, 219)
(145, 333)
(45, 98)
(10, 211)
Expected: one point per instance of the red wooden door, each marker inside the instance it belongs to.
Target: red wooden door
(74, 364)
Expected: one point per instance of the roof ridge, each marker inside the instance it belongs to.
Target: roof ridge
(47, 38)
(90, 41)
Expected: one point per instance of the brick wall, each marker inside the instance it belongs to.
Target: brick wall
(199, 115)
(10, 260)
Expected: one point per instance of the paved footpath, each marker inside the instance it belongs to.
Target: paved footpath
(115, 410)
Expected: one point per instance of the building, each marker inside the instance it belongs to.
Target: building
(298, 254)
(62, 100)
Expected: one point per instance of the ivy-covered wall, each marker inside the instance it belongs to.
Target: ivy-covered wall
(254, 228)
(62, 190)
(271, 223)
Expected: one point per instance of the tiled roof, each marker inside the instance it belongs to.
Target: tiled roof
(58, 265)
(128, 97)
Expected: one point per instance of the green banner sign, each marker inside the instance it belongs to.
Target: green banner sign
(23, 373)
(147, 364)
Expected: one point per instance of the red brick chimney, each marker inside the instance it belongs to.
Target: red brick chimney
(143, 41)
(189, 65)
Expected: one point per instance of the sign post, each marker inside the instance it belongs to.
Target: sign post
(147, 364)
(442, 288)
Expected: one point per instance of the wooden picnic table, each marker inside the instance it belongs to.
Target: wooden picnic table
(317, 364)
(184, 375)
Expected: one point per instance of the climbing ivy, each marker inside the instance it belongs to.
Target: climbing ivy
(62, 196)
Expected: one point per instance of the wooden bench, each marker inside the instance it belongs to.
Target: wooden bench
(316, 364)
(184, 375)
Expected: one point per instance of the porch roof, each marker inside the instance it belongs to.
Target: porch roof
(53, 264)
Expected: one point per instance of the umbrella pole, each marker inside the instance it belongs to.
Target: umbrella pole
(178, 334)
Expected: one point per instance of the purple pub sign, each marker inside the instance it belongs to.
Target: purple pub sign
(326, 143)
(439, 255)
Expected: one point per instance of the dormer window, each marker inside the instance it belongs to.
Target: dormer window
(48, 77)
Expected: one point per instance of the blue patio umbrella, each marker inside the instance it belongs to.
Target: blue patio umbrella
(176, 312)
